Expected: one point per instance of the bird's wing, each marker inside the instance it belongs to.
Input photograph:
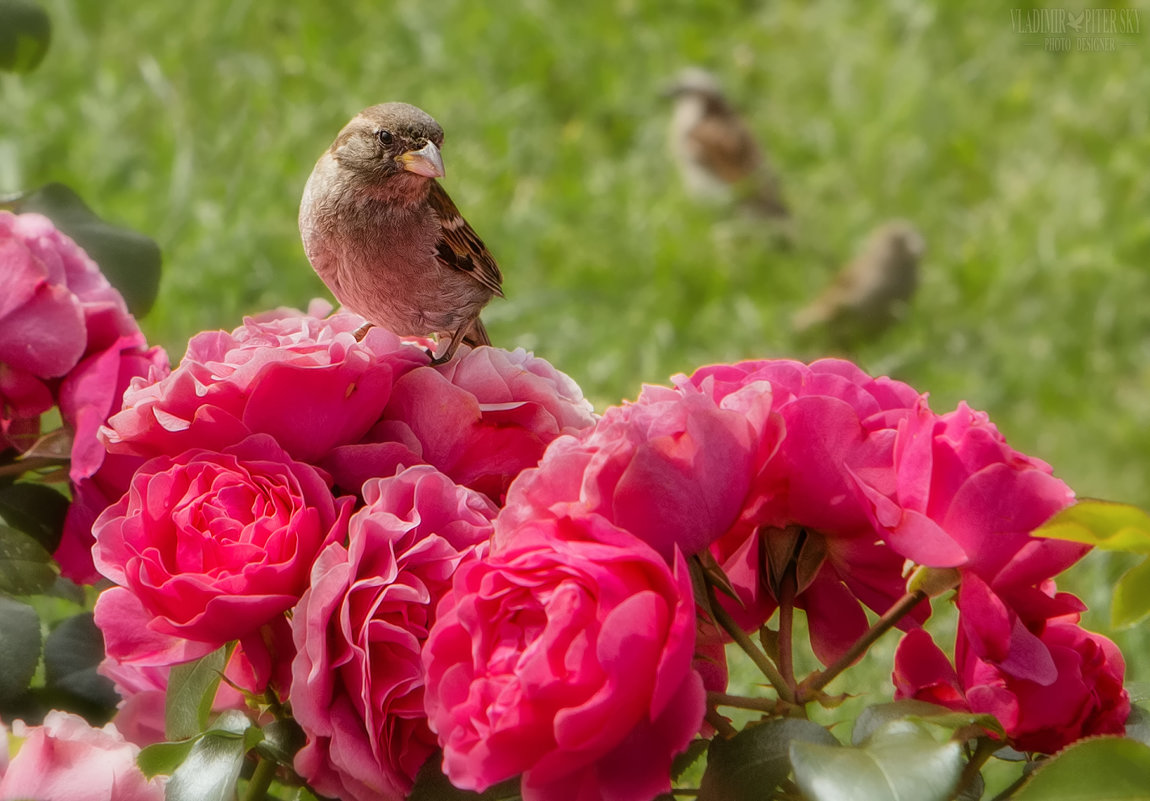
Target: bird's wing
(459, 247)
(725, 146)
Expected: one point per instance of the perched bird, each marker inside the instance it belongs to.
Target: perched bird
(386, 238)
(715, 150)
(873, 290)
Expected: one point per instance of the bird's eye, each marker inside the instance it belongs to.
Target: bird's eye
(384, 137)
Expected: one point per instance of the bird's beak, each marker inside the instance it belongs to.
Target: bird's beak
(426, 161)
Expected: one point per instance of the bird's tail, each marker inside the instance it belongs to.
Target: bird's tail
(477, 334)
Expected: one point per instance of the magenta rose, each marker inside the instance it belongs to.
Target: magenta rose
(839, 429)
(211, 546)
(357, 687)
(66, 759)
(565, 656)
(481, 418)
(1080, 695)
(305, 381)
(673, 468)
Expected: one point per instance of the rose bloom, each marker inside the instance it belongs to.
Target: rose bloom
(481, 418)
(357, 690)
(673, 468)
(565, 656)
(212, 546)
(68, 760)
(1057, 686)
(839, 427)
(305, 381)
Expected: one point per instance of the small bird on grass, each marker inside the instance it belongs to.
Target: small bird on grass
(386, 238)
(717, 154)
(873, 290)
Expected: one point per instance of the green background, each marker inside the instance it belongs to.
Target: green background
(1026, 170)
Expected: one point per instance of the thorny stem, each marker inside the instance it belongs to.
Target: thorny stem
(819, 679)
(761, 660)
(986, 747)
(742, 702)
(786, 627)
(721, 724)
(261, 780)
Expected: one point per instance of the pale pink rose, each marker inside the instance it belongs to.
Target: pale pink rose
(481, 418)
(838, 427)
(673, 468)
(213, 545)
(66, 759)
(566, 657)
(357, 689)
(1079, 695)
(305, 381)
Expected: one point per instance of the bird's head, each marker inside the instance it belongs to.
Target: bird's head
(693, 81)
(393, 142)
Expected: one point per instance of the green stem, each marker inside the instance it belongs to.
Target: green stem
(25, 465)
(986, 747)
(761, 660)
(819, 679)
(261, 780)
(720, 723)
(1009, 791)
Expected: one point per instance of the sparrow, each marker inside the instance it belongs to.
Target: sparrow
(386, 238)
(873, 290)
(716, 152)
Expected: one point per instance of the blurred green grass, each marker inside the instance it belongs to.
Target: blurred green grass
(198, 123)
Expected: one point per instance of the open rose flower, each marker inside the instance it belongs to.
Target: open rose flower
(806, 506)
(357, 690)
(66, 759)
(212, 546)
(481, 418)
(305, 381)
(673, 468)
(565, 656)
(1074, 688)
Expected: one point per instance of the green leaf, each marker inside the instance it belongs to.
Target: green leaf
(25, 31)
(756, 760)
(1104, 524)
(163, 758)
(210, 770)
(1110, 768)
(432, 785)
(877, 716)
(25, 567)
(682, 762)
(72, 652)
(900, 762)
(281, 740)
(19, 647)
(191, 691)
(1131, 603)
(1138, 725)
(37, 510)
(129, 260)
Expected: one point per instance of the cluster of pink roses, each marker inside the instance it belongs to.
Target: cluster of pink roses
(67, 340)
(463, 557)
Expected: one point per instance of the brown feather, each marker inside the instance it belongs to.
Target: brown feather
(459, 246)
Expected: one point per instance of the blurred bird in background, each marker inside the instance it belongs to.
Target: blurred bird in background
(386, 238)
(872, 291)
(715, 150)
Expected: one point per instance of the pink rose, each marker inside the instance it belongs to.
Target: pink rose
(673, 468)
(565, 656)
(839, 429)
(211, 546)
(481, 418)
(1081, 695)
(23, 398)
(305, 381)
(963, 496)
(357, 687)
(67, 760)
